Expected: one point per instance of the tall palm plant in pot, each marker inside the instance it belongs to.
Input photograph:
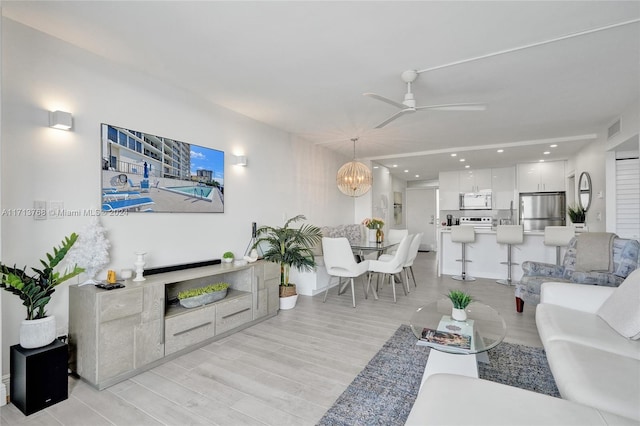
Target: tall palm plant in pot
(289, 247)
(35, 291)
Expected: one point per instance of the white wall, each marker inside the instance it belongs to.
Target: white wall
(285, 175)
(593, 159)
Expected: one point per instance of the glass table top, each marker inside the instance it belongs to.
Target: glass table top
(484, 325)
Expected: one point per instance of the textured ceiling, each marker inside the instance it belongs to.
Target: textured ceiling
(303, 67)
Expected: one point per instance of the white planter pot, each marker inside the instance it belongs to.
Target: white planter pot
(288, 302)
(227, 259)
(458, 314)
(37, 333)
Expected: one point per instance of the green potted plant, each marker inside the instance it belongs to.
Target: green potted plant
(576, 213)
(460, 302)
(227, 256)
(35, 291)
(200, 296)
(290, 247)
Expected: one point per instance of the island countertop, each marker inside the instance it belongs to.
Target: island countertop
(485, 255)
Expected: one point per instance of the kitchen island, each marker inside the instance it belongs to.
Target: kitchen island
(485, 254)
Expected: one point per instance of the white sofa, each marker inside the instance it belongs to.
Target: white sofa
(591, 362)
(588, 334)
(447, 399)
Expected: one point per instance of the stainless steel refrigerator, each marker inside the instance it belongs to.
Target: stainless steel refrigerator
(540, 209)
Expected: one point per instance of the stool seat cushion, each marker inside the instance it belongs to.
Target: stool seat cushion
(510, 234)
(463, 234)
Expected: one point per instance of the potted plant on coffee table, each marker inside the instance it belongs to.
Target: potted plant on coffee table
(460, 302)
(290, 247)
(35, 291)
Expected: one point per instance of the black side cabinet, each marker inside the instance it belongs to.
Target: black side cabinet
(38, 376)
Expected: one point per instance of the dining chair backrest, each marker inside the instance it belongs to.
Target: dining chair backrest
(337, 254)
(400, 256)
(413, 249)
(396, 235)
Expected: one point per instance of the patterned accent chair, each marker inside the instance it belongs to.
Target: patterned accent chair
(625, 259)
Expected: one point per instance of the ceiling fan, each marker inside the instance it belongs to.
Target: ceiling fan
(409, 104)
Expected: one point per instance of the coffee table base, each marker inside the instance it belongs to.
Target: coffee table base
(463, 365)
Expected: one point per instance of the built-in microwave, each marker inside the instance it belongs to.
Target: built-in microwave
(475, 200)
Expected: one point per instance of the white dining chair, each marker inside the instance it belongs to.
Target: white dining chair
(411, 257)
(340, 262)
(393, 265)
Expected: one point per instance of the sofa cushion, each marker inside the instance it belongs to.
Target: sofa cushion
(597, 378)
(559, 323)
(448, 399)
(622, 309)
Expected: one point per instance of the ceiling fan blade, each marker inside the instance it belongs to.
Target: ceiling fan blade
(394, 116)
(387, 100)
(455, 107)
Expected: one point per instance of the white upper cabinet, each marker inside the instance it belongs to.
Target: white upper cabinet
(541, 177)
(475, 180)
(449, 190)
(501, 181)
(503, 184)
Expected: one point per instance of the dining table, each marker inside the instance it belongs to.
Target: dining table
(364, 247)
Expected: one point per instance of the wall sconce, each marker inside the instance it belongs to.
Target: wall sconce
(241, 161)
(60, 120)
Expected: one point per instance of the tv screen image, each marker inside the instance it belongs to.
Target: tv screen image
(146, 173)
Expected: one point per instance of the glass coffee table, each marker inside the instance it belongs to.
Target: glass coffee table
(465, 342)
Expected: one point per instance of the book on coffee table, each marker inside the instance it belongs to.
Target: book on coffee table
(445, 340)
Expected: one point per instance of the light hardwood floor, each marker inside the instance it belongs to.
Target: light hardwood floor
(287, 370)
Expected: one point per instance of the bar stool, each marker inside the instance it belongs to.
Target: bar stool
(558, 236)
(509, 235)
(463, 234)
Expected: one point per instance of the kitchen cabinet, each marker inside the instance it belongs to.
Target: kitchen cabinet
(503, 185)
(475, 180)
(541, 177)
(449, 183)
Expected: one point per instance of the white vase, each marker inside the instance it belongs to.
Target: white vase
(37, 333)
(139, 263)
(288, 302)
(458, 314)
(371, 234)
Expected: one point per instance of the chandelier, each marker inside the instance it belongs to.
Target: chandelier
(354, 178)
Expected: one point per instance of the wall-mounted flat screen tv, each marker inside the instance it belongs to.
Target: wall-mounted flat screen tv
(146, 173)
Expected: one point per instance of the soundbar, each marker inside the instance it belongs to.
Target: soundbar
(180, 267)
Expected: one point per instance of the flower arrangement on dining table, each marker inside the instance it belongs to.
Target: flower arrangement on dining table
(373, 223)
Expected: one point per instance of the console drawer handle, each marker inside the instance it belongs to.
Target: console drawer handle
(192, 328)
(236, 313)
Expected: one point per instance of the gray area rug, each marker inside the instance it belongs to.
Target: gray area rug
(384, 391)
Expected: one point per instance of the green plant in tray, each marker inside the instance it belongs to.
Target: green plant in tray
(459, 299)
(227, 255)
(192, 292)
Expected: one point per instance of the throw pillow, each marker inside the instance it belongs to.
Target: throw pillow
(622, 309)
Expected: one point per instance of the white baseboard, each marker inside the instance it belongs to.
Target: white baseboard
(4, 390)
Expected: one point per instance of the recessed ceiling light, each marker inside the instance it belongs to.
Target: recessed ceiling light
(553, 146)
(547, 152)
(395, 165)
(454, 155)
(501, 150)
(542, 161)
(467, 166)
(375, 167)
(406, 171)
(417, 175)
(462, 160)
